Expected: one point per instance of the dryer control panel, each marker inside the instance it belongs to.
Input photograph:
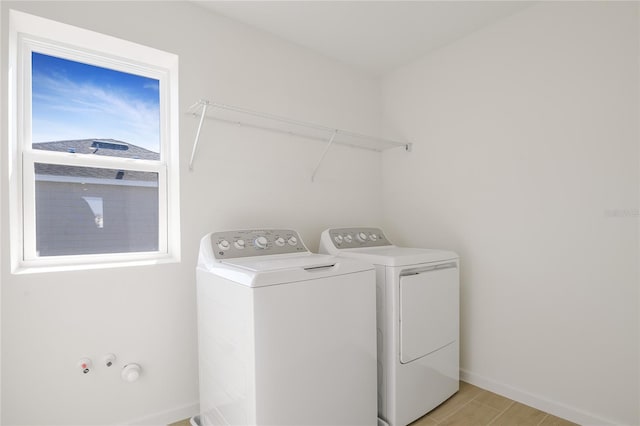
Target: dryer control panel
(255, 242)
(344, 238)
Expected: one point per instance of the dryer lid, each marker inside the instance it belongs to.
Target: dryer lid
(397, 256)
(429, 312)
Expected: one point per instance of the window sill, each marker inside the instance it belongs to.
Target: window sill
(37, 266)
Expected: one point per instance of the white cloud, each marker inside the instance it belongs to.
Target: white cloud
(63, 108)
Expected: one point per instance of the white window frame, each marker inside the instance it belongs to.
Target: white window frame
(28, 33)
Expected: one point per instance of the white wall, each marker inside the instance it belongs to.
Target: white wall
(2, 203)
(242, 178)
(526, 163)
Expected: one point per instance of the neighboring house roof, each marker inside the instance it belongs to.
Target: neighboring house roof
(108, 147)
(103, 147)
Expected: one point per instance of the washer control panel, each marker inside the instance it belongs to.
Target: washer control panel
(255, 242)
(344, 238)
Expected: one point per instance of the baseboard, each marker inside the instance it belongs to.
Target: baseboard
(536, 401)
(541, 403)
(168, 416)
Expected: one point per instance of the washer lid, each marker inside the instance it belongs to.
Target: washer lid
(397, 256)
(276, 269)
(281, 262)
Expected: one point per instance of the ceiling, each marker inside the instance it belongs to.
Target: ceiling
(374, 36)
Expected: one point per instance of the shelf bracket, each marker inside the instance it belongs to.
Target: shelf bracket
(324, 154)
(205, 105)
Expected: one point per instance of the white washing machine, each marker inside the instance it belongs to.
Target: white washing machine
(286, 337)
(417, 320)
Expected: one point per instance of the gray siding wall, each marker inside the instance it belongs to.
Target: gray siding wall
(66, 225)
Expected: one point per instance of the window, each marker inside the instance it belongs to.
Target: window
(94, 148)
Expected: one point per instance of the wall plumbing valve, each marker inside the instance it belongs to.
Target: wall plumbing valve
(109, 359)
(85, 365)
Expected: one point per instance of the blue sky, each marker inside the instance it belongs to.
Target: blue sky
(72, 100)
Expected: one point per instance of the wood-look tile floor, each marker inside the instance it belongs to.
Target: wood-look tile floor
(473, 406)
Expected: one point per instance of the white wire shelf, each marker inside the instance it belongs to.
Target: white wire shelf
(273, 123)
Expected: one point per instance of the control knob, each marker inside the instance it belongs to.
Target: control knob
(280, 241)
(348, 238)
(338, 239)
(373, 237)
(239, 244)
(224, 244)
(362, 237)
(292, 241)
(261, 242)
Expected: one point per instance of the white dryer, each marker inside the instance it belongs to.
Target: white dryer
(286, 337)
(417, 320)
